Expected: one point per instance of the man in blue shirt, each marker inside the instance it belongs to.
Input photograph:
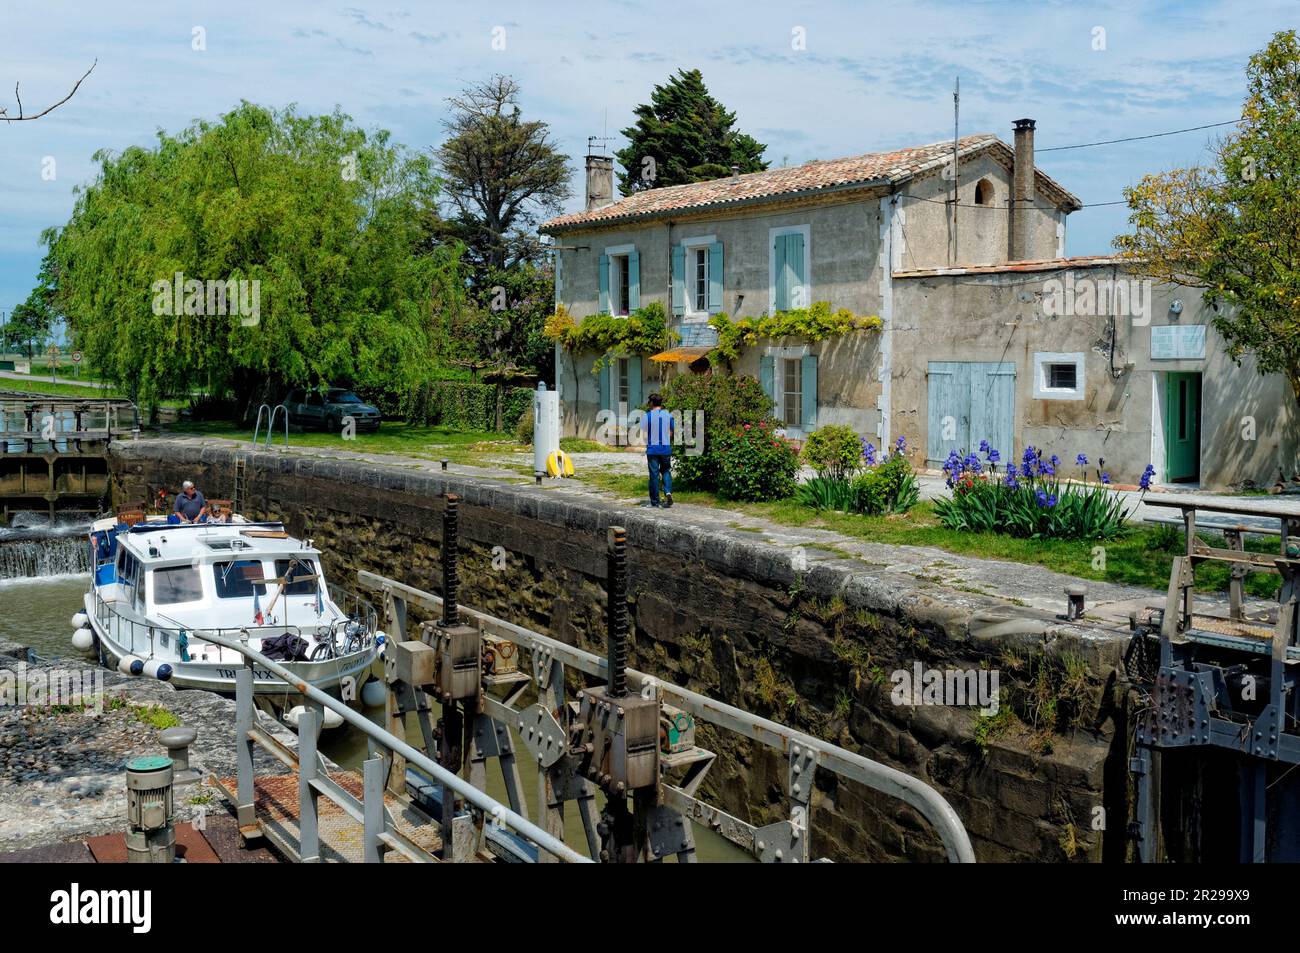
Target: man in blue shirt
(191, 507)
(659, 428)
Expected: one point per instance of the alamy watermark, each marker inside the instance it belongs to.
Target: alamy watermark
(22, 687)
(953, 687)
(625, 428)
(192, 297)
(1093, 297)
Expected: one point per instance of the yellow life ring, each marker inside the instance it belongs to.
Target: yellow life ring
(558, 464)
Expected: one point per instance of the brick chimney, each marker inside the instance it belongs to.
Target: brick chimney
(600, 181)
(1023, 189)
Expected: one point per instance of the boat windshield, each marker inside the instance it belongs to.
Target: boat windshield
(301, 574)
(172, 584)
(239, 578)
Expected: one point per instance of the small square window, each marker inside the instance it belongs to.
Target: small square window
(1058, 376)
(1062, 376)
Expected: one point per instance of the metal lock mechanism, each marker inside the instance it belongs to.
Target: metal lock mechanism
(411, 662)
(620, 736)
(676, 730)
(500, 656)
(459, 666)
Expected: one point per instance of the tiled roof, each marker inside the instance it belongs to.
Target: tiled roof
(1036, 264)
(874, 168)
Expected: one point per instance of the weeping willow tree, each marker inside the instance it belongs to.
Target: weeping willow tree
(316, 229)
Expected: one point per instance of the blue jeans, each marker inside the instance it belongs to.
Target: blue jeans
(660, 465)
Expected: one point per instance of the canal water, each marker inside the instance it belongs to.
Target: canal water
(43, 575)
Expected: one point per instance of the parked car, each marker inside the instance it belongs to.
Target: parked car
(328, 408)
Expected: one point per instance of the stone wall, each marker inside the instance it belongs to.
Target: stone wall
(723, 614)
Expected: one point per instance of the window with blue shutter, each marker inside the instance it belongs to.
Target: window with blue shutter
(789, 278)
(809, 393)
(715, 277)
(767, 378)
(605, 385)
(604, 284)
(679, 280)
(633, 281)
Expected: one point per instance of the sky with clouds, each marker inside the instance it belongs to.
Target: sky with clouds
(870, 76)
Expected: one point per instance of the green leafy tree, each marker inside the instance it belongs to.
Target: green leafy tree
(684, 135)
(28, 327)
(506, 329)
(499, 172)
(330, 220)
(1234, 229)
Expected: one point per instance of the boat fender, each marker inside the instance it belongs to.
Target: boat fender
(373, 693)
(130, 665)
(156, 669)
(380, 641)
(332, 718)
(81, 621)
(82, 640)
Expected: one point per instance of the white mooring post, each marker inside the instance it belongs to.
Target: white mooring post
(546, 425)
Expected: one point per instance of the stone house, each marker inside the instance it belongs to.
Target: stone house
(988, 332)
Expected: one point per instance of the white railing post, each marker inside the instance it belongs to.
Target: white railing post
(245, 716)
(309, 833)
(373, 807)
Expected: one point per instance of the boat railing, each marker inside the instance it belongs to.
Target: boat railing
(142, 639)
(381, 833)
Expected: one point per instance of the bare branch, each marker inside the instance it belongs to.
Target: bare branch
(4, 113)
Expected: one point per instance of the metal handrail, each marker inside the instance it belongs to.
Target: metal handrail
(105, 609)
(258, 426)
(270, 429)
(921, 796)
(491, 807)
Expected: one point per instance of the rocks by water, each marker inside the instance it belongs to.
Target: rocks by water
(62, 769)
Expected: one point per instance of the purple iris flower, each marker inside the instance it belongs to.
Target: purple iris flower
(1081, 460)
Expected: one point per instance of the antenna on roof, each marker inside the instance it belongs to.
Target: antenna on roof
(956, 120)
(591, 140)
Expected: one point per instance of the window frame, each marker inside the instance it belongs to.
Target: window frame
(155, 576)
(795, 353)
(787, 392)
(1043, 389)
(692, 247)
(619, 262)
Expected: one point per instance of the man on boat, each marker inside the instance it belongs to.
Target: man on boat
(191, 507)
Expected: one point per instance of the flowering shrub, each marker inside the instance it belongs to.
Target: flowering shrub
(753, 464)
(727, 402)
(872, 484)
(833, 451)
(1029, 500)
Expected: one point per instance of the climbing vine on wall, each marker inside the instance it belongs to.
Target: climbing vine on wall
(644, 331)
(813, 324)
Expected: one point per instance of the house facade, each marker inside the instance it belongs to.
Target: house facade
(987, 332)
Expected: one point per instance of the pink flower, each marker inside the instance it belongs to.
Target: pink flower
(746, 426)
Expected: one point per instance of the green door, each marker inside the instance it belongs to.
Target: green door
(1182, 427)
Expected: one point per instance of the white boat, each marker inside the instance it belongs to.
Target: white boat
(158, 587)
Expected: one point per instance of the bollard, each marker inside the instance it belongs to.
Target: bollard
(177, 741)
(1074, 608)
(444, 461)
(537, 475)
(150, 836)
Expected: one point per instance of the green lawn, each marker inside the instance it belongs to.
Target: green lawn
(35, 385)
(391, 437)
(1141, 556)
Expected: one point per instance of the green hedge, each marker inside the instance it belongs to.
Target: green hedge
(459, 405)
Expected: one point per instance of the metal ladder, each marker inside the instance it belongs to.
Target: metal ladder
(237, 496)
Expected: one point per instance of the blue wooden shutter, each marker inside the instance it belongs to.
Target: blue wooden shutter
(633, 382)
(633, 281)
(948, 384)
(604, 384)
(604, 284)
(794, 263)
(767, 377)
(715, 277)
(780, 293)
(992, 406)
(809, 393)
(679, 279)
